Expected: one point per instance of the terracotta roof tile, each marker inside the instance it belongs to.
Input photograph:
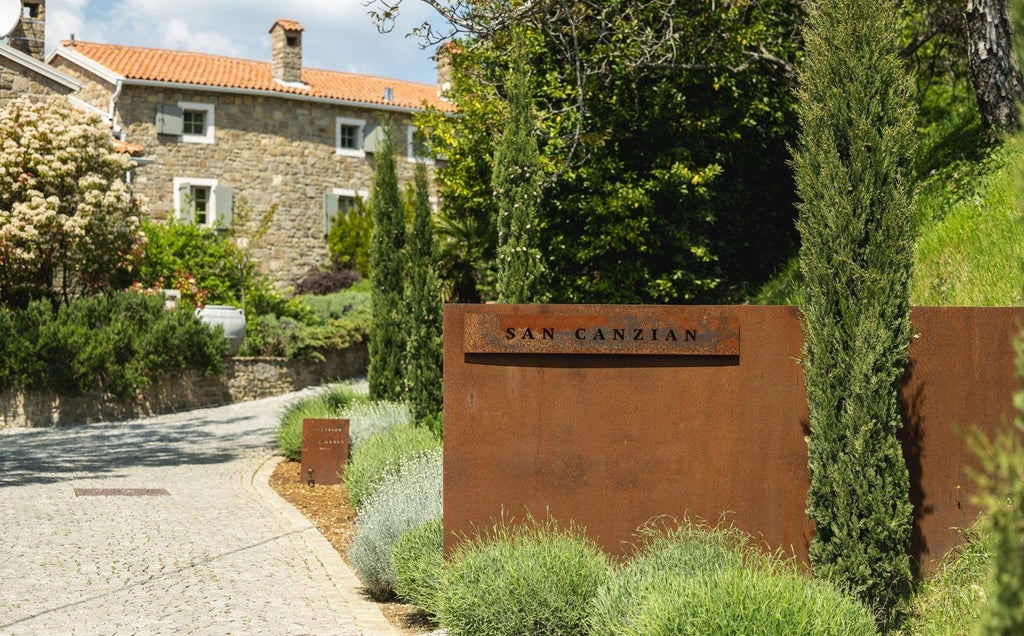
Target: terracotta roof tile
(202, 69)
(288, 25)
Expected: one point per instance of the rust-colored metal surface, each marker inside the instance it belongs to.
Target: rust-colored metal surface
(611, 440)
(324, 451)
(619, 329)
(121, 492)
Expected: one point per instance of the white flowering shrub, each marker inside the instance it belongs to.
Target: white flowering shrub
(68, 225)
(405, 500)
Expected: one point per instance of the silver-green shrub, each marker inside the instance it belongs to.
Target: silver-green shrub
(532, 579)
(665, 556)
(758, 601)
(419, 561)
(405, 500)
(366, 419)
(380, 455)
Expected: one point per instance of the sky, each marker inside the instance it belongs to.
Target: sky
(339, 34)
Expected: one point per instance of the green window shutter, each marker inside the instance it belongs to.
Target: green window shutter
(223, 205)
(186, 210)
(330, 211)
(372, 137)
(170, 120)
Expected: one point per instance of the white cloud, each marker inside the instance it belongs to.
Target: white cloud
(339, 34)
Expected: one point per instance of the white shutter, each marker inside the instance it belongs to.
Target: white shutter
(170, 120)
(186, 211)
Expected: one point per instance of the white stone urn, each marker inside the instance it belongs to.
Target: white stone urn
(230, 318)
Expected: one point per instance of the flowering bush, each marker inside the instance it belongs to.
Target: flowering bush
(68, 224)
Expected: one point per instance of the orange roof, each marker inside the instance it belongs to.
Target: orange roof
(139, 63)
(288, 25)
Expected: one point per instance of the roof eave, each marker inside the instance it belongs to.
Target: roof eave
(86, 63)
(279, 94)
(39, 67)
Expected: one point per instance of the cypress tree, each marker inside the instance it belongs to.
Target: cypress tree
(515, 181)
(852, 169)
(423, 298)
(387, 262)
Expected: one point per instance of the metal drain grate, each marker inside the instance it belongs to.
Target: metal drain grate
(121, 492)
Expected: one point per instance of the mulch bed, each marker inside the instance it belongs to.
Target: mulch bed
(328, 509)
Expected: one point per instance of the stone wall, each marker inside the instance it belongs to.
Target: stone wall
(243, 379)
(17, 81)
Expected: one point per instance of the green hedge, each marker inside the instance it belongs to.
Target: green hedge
(418, 562)
(117, 343)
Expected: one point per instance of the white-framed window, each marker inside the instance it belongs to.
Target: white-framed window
(197, 125)
(348, 136)
(416, 146)
(203, 202)
(338, 203)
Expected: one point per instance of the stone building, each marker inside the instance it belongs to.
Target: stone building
(216, 132)
(22, 69)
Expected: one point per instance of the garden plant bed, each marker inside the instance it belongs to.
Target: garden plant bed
(328, 509)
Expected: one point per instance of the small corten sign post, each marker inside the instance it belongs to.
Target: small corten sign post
(607, 416)
(324, 450)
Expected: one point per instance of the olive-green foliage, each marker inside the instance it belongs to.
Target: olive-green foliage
(381, 455)
(348, 242)
(1001, 482)
(516, 183)
(531, 579)
(310, 325)
(852, 170)
(752, 602)
(419, 561)
(952, 601)
(407, 499)
(323, 405)
(665, 556)
(424, 355)
(367, 419)
(116, 343)
(387, 261)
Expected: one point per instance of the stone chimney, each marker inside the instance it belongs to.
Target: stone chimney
(286, 51)
(29, 36)
(443, 57)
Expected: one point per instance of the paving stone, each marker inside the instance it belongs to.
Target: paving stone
(221, 554)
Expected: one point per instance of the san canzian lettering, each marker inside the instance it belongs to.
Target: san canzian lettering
(603, 333)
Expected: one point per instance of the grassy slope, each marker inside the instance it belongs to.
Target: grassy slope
(970, 248)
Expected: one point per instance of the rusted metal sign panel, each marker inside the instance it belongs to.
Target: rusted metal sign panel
(324, 450)
(610, 441)
(615, 329)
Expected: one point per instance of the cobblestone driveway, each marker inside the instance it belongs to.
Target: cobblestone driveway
(220, 553)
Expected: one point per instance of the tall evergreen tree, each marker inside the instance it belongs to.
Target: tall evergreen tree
(516, 184)
(387, 262)
(852, 170)
(423, 299)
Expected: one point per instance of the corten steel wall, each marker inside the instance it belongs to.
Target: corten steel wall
(610, 441)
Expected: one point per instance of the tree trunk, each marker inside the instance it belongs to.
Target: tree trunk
(997, 78)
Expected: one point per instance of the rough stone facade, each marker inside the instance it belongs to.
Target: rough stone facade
(18, 81)
(243, 379)
(271, 151)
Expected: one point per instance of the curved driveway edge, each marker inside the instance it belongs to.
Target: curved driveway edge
(165, 525)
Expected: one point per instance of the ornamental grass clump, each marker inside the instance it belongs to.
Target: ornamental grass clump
(664, 556)
(532, 578)
(418, 559)
(326, 404)
(381, 455)
(758, 601)
(368, 418)
(407, 499)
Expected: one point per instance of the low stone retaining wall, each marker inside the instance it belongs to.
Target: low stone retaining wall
(243, 379)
